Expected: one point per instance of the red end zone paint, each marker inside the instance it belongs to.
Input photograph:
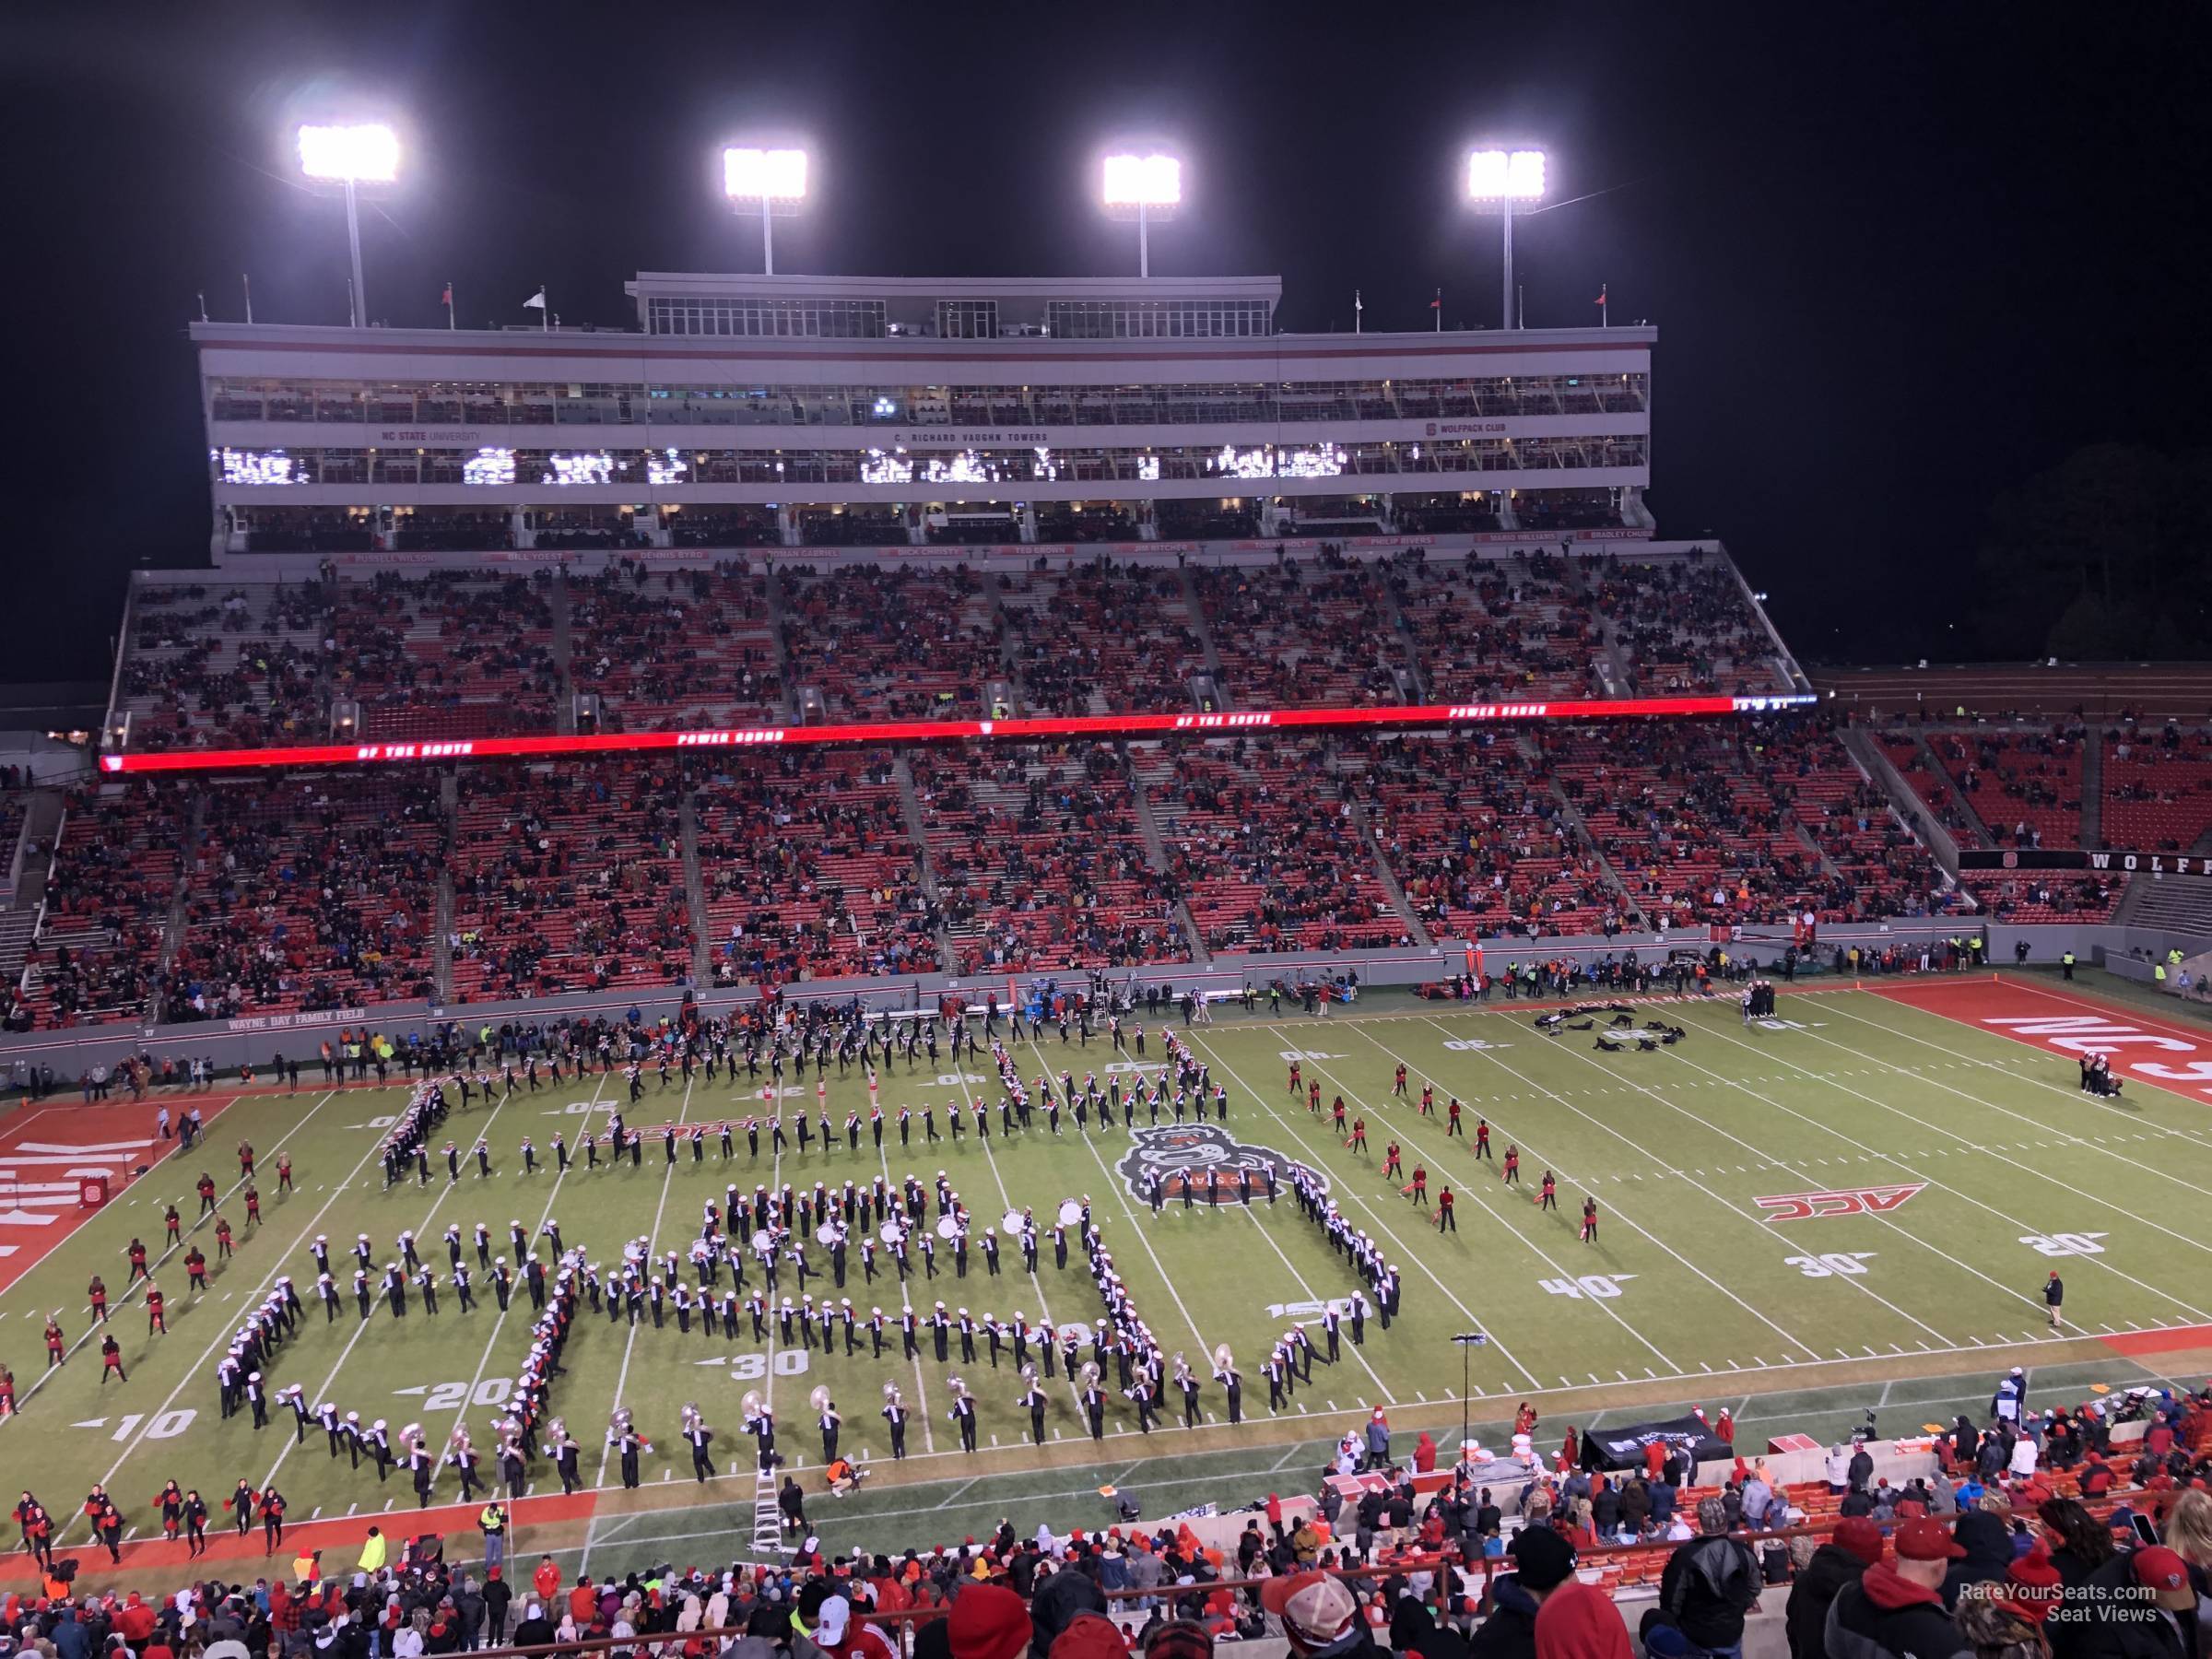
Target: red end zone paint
(46, 1151)
(2161, 1342)
(2147, 1051)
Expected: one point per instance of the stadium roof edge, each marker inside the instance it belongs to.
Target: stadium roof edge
(826, 287)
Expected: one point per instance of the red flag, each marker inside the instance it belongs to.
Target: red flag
(446, 297)
(1437, 303)
(1601, 297)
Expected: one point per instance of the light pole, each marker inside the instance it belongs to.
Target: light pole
(1467, 1341)
(350, 155)
(774, 178)
(1143, 188)
(1497, 179)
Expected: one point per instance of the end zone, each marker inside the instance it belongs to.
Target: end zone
(46, 1153)
(2150, 1054)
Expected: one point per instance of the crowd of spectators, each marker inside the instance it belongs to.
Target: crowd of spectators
(1486, 629)
(108, 897)
(1040, 862)
(2024, 786)
(1263, 842)
(1302, 634)
(237, 667)
(1102, 636)
(1683, 625)
(809, 872)
(309, 894)
(671, 648)
(882, 642)
(444, 655)
(568, 878)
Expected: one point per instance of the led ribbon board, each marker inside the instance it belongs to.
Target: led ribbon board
(1093, 727)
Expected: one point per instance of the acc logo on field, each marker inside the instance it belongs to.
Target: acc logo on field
(1198, 1147)
(1858, 1201)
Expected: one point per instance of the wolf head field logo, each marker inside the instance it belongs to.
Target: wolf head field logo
(1194, 1149)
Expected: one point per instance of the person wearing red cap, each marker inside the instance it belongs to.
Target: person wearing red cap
(1899, 1610)
(2140, 1605)
(1841, 1560)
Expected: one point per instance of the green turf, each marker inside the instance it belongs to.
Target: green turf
(1690, 1294)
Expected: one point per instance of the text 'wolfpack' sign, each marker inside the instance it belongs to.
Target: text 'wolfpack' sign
(1854, 1201)
(2075, 859)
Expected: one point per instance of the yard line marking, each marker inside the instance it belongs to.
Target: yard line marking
(1859, 1285)
(629, 1344)
(1418, 1258)
(1044, 1310)
(2076, 1096)
(2104, 1263)
(583, 1127)
(222, 1335)
(1650, 1158)
(361, 1326)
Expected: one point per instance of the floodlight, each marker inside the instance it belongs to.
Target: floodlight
(1499, 177)
(774, 178)
(1143, 188)
(1147, 182)
(351, 156)
(364, 154)
(757, 175)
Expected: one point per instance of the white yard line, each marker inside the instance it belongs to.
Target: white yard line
(583, 1127)
(1760, 1227)
(1628, 1220)
(361, 1326)
(1417, 1258)
(2096, 1261)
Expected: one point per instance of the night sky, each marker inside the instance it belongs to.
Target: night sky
(1900, 258)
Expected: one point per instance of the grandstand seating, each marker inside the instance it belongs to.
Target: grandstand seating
(1683, 625)
(1301, 635)
(2157, 790)
(1262, 841)
(2024, 786)
(1040, 862)
(108, 900)
(445, 655)
(1507, 627)
(1477, 843)
(567, 878)
(882, 643)
(671, 648)
(235, 664)
(307, 894)
(1101, 637)
(810, 871)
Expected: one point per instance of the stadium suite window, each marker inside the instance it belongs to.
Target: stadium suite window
(1155, 320)
(777, 319)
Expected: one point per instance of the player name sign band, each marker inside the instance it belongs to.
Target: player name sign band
(1100, 727)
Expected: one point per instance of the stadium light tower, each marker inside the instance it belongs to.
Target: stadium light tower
(1143, 188)
(351, 156)
(774, 178)
(1498, 178)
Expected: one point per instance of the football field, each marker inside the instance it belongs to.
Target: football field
(1855, 1203)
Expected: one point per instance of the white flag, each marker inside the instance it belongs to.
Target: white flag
(537, 299)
